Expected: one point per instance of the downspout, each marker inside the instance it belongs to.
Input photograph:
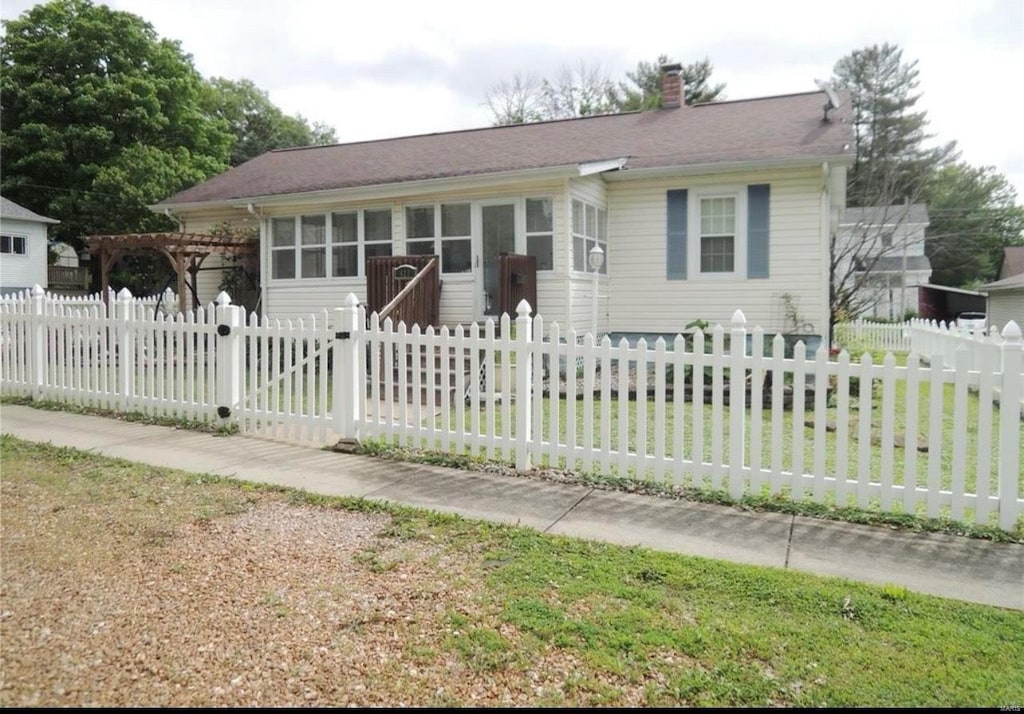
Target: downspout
(825, 317)
(264, 268)
(181, 226)
(567, 252)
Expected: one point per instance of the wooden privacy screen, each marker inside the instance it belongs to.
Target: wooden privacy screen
(518, 276)
(387, 276)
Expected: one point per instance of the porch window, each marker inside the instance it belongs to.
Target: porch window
(456, 241)
(376, 233)
(314, 246)
(345, 245)
(419, 230)
(540, 232)
(589, 229)
(452, 222)
(327, 245)
(282, 248)
(12, 245)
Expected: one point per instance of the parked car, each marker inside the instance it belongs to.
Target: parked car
(972, 320)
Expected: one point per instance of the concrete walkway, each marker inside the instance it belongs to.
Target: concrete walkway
(944, 565)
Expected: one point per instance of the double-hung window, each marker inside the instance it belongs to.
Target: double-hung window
(589, 229)
(718, 234)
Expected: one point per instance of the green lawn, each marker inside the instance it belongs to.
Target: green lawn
(539, 619)
(821, 448)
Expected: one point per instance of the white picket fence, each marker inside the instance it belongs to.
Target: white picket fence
(725, 411)
(865, 335)
(929, 339)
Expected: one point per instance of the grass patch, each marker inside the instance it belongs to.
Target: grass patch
(209, 427)
(555, 621)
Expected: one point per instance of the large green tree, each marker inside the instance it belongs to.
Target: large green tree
(974, 214)
(100, 118)
(643, 88)
(260, 126)
(892, 164)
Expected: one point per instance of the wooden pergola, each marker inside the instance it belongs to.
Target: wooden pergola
(185, 251)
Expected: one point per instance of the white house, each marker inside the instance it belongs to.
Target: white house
(699, 210)
(881, 250)
(23, 247)
(1005, 300)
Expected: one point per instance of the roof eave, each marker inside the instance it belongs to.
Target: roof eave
(729, 166)
(374, 191)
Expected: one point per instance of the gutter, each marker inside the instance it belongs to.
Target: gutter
(375, 191)
(720, 167)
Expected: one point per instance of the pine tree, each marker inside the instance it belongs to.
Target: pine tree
(892, 164)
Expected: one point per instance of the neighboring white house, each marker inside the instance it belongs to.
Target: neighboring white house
(699, 210)
(1006, 295)
(881, 249)
(24, 247)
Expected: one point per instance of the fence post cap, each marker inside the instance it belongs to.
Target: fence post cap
(223, 299)
(738, 318)
(1011, 332)
(523, 309)
(351, 300)
(124, 295)
(37, 290)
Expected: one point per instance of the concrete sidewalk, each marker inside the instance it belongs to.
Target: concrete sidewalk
(944, 565)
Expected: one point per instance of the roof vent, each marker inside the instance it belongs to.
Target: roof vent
(832, 98)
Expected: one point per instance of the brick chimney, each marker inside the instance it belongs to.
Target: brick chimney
(671, 86)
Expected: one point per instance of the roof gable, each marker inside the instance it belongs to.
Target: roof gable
(758, 130)
(11, 210)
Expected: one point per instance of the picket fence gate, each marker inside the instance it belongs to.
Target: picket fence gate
(728, 411)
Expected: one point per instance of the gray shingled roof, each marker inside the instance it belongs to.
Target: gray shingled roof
(1012, 262)
(882, 215)
(768, 129)
(10, 209)
(1014, 282)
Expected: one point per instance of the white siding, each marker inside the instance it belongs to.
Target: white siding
(293, 301)
(582, 291)
(642, 299)
(21, 272)
(1006, 305)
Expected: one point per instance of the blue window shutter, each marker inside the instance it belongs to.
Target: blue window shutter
(676, 245)
(757, 230)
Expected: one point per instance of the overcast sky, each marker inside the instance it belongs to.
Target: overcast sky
(385, 68)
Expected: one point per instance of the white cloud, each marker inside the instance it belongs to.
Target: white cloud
(377, 69)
